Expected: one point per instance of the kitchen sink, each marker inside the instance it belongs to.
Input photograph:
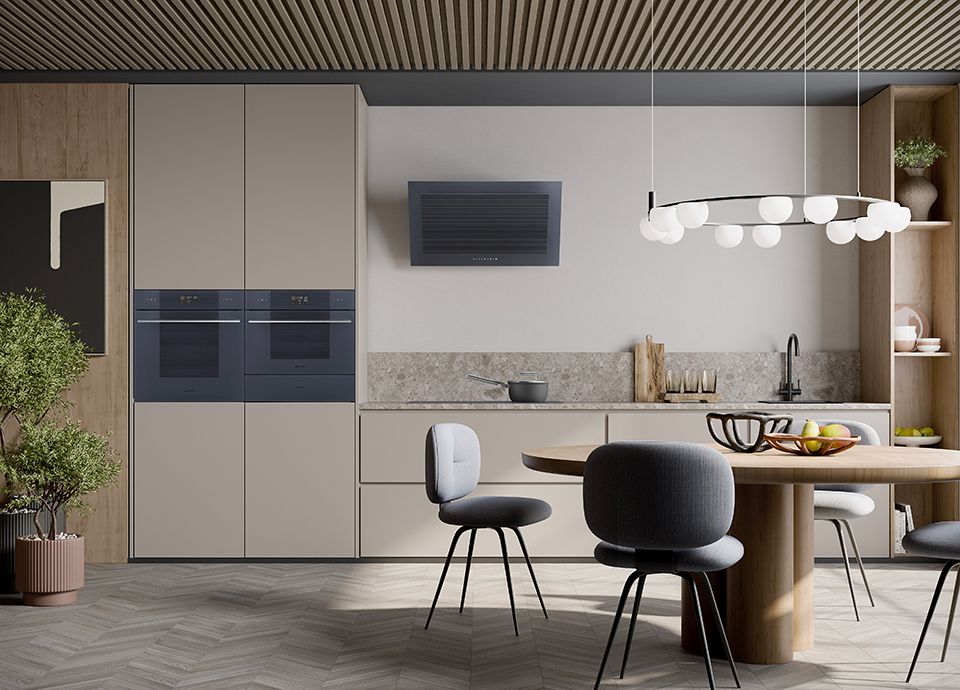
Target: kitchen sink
(800, 402)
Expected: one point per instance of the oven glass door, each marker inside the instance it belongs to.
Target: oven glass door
(188, 355)
(300, 342)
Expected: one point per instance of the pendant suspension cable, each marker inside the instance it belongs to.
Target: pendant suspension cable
(652, 49)
(804, 97)
(857, 102)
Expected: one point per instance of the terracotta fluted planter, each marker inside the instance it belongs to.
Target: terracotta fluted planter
(49, 573)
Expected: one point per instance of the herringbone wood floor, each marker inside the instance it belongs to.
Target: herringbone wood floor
(361, 626)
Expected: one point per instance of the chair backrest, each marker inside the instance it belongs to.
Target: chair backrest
(658, 495)
(452, 462)
(868, 437)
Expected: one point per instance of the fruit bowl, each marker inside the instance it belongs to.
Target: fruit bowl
(796, 444)
(916, 440)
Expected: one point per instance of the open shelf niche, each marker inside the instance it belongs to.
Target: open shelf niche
(918, 266)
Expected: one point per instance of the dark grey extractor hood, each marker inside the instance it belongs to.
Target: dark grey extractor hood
(484, 223)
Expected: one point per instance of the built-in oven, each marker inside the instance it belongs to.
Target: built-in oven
(300, 345)
(188, 345)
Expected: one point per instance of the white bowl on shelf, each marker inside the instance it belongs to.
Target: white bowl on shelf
(928, 344)
(916, 440)
(928, 348)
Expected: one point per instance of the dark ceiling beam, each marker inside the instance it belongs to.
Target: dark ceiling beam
(602, 88)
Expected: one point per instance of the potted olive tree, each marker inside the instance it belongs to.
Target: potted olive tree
(916, 192)
(48, 462)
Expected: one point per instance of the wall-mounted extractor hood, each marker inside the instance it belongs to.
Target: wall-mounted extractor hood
(484, 223)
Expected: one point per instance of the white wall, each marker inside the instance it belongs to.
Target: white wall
(612, 287)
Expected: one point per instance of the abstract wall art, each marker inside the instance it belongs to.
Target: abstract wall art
(53, 238)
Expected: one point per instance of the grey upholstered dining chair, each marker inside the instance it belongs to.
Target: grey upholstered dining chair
(662, 508)
(452, 472)
(940, 540)
(840, 503)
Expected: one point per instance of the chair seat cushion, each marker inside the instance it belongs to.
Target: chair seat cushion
(841, 505)
(717, 556)
(939, 540)
(495, 511)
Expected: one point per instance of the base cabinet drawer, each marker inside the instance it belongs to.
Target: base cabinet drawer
(392, 443)
(397, 520)
(300, 480)
(188, 480)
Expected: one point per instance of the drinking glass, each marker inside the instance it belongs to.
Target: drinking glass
(708, 381)
(674, 382)
(691, 381)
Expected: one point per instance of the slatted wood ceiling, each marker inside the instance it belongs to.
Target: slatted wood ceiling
(474, 34)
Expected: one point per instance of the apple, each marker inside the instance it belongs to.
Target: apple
(835, 431)
(811, 428)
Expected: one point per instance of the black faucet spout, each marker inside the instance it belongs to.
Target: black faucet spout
(793, 350)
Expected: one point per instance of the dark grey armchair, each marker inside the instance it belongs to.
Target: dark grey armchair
(662, 508)
(452, 472)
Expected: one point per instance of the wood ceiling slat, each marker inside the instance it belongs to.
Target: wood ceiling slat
(478, 34)
(425, 31)
(53, 52)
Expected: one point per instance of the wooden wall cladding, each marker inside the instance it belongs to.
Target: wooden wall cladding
(80, 131)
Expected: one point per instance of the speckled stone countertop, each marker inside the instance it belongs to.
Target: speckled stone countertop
(615, 406)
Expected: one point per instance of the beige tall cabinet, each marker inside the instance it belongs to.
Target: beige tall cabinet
(188, 170)
(300, 186)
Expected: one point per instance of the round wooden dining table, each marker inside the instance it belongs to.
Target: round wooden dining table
(769, 593)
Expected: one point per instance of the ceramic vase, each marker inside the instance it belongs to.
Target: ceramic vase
(917, 193)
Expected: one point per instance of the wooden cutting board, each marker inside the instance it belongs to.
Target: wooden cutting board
(649, 383)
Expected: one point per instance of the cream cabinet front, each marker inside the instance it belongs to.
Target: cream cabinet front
(300, 480)
(188, 175)
(188, 480)
(872, 531)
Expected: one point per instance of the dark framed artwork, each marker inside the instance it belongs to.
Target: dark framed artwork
(53, 237)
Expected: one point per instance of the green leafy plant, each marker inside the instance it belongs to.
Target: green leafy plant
(50, 464)
(917, 152)
(57, 466)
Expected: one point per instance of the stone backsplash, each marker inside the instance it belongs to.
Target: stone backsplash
(602, 376)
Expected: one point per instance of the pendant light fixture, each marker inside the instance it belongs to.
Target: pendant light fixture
(666, 223)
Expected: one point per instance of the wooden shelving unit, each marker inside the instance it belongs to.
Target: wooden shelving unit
(917, 266)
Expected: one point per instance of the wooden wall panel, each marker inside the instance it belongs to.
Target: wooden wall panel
(80, 131)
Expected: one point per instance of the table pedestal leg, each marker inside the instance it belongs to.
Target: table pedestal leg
(802, 567)
(760, 587)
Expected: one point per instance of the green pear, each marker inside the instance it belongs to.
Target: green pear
(811, 428)
(928, 431)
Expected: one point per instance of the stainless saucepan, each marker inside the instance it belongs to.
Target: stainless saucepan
(526, 390)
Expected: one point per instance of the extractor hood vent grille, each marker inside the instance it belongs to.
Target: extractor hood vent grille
(485, 223)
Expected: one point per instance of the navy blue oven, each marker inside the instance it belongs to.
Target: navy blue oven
(300, 345)
(188, 345)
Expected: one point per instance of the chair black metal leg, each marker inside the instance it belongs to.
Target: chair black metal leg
(506, 568)
(633, 623)
(466, 573)
(933, 607)
(526, 557)
(953, 610)
(616, 622)
(723, 632)
(443, 574)
(695, 596)
(856, 552)
(846, 566)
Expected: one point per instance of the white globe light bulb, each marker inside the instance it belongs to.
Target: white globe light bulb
(728, 236)
(664, 219)
(693, 214)
(820, 209)
(841, 231)
(884, 214)
(648, 231)
(766, 236)
(867, 230)
(775, 209)
(902, 217)
(673, 236)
